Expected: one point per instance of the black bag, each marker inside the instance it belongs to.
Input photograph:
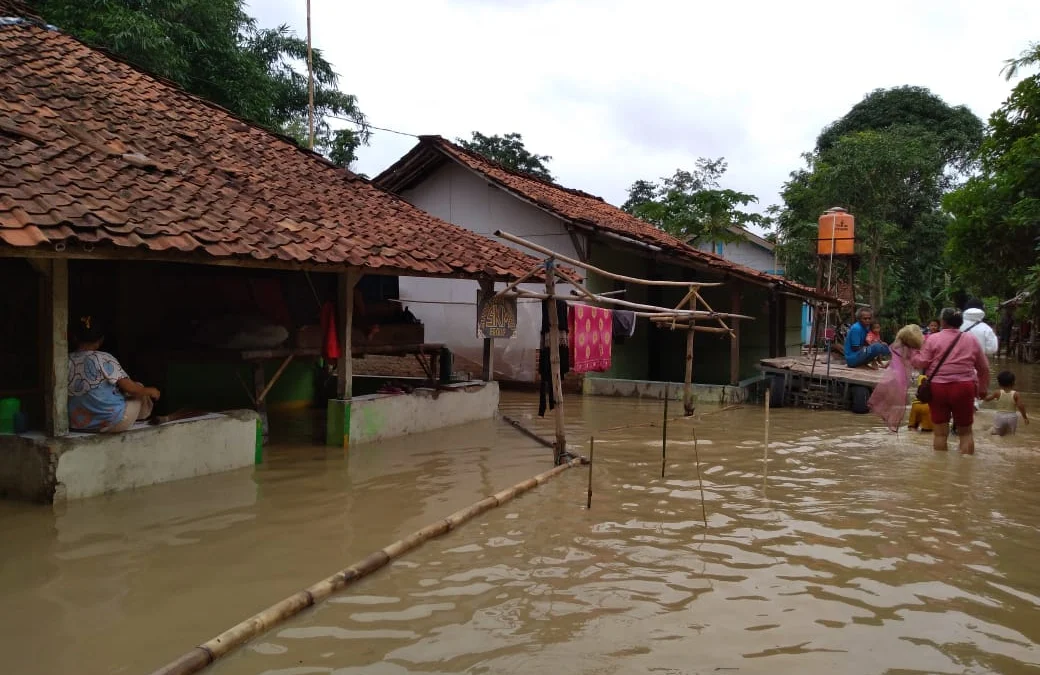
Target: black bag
(924, 390)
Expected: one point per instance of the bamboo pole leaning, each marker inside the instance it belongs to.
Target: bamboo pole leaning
(205, 654)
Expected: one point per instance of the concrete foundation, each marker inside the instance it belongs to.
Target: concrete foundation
(41, 469)
(373, 418)
(714, 394)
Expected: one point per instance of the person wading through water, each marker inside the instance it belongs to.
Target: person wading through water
(955, 381)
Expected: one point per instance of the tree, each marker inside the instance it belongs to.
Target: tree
(509, 151)
(958, 129)
(889, 160)
(996, 214)
(213, 49)
(692, 205)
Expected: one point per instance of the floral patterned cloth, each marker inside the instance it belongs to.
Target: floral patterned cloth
(95, 402)
(591, 332)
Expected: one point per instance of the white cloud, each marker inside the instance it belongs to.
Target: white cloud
(621, 90)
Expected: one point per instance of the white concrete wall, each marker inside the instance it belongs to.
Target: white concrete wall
(97, 464)
(744, 253)
(447, 307)
(374, 418)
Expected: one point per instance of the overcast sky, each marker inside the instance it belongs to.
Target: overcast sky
(616, 91)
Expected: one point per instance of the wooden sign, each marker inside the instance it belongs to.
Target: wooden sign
(496, 317)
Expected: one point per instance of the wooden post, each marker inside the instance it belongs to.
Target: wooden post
(56, 391)
(592, 451)
(664, 428)
(487, 288)
(688, 380)
(734, 343)
(260, 397)
(337, 423)
(345, 366)
(765, 445)
(560, 445)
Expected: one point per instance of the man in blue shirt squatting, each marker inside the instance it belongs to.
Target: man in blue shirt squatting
(857, 351)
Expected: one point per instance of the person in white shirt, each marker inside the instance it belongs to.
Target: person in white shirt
(974, 324)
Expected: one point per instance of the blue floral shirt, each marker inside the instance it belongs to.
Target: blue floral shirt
(95, 402)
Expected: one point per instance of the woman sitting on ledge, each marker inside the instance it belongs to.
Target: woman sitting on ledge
(102, 397)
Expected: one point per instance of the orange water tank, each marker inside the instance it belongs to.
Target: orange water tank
(837, 229)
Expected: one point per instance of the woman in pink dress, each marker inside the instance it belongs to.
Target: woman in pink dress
(962, 377)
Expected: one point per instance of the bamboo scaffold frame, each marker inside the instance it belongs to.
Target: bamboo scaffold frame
(684, 316)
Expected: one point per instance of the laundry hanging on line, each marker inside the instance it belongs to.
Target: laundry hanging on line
(624, 323)
(591, 336)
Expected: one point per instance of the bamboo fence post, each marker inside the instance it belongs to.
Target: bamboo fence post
(592, 451)
(205, 654)
(765, 450)
(700, 481)
(664, 430)
(688, 379)
(554, 361)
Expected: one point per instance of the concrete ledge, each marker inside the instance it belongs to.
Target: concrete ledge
(40, 469)
(702, 393)
(380, 416)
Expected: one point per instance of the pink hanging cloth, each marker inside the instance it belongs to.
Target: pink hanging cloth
(591, 332)
(889, 398)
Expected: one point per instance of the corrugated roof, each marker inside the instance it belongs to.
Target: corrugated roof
(573, 206)
(95, 153)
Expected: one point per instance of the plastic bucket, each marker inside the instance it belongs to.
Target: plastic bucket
(9, 409)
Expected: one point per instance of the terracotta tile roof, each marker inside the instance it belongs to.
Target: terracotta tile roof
(574, 206)
(99, 155)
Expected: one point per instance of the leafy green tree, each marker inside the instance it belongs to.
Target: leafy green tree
(692, 205)
(888, 161)
(509, 151)
(958, 129)
(996, 214)
(214, 49)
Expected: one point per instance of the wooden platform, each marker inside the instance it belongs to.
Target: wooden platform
(797, 382)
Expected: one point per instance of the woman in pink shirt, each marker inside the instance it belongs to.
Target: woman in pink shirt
(961, 378)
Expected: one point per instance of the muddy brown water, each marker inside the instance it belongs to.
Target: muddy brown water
(861, 552)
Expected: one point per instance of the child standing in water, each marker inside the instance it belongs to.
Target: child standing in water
(1009, 405)
(920, 415)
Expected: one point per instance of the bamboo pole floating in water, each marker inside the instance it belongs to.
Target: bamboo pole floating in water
(202, 656)
(592, 450)
(664, 430)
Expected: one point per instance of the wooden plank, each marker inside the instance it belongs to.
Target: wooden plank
(56, 390)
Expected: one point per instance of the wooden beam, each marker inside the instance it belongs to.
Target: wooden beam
(487, 287)
(688, 379)
(346, 282)
(56, 391)
(734, 343)
(589, 268)
(560, 444)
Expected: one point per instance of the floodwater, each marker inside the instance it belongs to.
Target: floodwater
(859, 552)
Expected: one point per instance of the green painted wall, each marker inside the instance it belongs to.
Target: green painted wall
(660, 354)
(630, 357)
(215, 385)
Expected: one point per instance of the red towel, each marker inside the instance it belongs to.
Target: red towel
(330, 348)
(591, 331)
